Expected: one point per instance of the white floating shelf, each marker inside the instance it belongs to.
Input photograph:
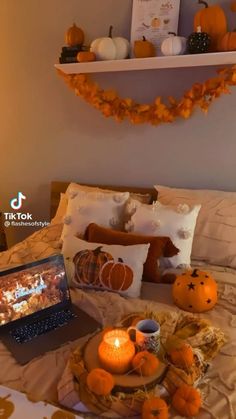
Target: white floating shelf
(178, 61)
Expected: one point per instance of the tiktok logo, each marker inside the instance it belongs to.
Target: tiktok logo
(16, 203)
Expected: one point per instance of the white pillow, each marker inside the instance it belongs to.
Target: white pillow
(103, 208)
(178, 223)
(105, 267)
(61, 210)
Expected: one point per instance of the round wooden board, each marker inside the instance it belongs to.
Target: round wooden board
(127, 383)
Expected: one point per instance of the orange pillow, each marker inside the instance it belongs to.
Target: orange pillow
(159, 247)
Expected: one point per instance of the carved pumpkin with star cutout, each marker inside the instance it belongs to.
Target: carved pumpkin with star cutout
(195, 291)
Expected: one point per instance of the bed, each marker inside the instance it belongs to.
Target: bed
(40, 377)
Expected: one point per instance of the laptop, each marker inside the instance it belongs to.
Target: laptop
(36, 312)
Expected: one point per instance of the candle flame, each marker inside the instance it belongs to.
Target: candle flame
(117, 343)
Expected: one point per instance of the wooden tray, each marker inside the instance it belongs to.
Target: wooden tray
(126, 383)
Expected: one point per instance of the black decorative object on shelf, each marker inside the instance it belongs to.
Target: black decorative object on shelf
(198, 42)
(69, 54)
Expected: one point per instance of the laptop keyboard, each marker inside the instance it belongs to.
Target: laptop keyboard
(29, 331)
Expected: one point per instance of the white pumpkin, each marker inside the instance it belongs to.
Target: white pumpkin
(109, 48)
(174, 45)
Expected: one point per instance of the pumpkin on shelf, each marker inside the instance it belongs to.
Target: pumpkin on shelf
(182, 356)
(195, 291)
(88, 264)
(228, 42)
(155, 408)
(198, 42)
(174, 45)
(187, 400)
(109, 48)
(144, 363)
(116, 275)
(144, 48)
(213, 21)
(86, 56)
(74, 36)
(100, 382)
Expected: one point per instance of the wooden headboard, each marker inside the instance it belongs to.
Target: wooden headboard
(58, 187)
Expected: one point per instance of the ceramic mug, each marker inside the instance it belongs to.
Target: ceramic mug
(146, 334)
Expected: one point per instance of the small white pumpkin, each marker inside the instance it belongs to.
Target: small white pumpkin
(174, 45)
(109, 48)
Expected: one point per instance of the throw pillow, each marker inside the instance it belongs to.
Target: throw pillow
(159, 246)
(214, 239)
(178, 223)
(105, 267)
(61, 210)
(85, 207)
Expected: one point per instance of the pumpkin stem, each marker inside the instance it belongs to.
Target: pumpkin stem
(194, 274)
(97, 250)
(110, 31)
(172, 33)
(144, 39)
(120, 260)
(203, 2)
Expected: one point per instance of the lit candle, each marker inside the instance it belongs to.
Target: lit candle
(116, 351)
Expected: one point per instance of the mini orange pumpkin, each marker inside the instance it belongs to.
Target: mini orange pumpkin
(144, 48)
(88, 264)
(85, 56)
(155, 408)
(228, 42)
(74, 36)
(145, 363)
(62, 414)
(187, 400)
(116, 275)
(195, 291)
(182, 356)
(100, 382)
(213, 21)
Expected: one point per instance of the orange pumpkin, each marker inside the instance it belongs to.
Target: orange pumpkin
(145, 363)
(74, 36)
(100, 382)
(85, 56)
(228, 42)
(88, 264)
(187, 400)
(182, 356)
(116, 275)
(155, 408)
(195, 291)
(213, 21)
(144, 48)
(62, 414)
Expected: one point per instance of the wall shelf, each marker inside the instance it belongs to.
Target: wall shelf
(132, 64)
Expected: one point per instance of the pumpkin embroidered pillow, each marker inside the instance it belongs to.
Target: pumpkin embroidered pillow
(105, 267)
(177, 222)
(87, 206)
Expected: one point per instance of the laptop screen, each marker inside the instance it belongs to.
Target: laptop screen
(30, 288)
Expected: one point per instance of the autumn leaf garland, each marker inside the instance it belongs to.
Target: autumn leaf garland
(111, 105)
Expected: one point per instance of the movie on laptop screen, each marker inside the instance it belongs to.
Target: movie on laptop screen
(32, 289)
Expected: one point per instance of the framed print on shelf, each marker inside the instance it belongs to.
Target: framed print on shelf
(154, 19)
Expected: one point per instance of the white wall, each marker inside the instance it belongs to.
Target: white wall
(49, 134)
